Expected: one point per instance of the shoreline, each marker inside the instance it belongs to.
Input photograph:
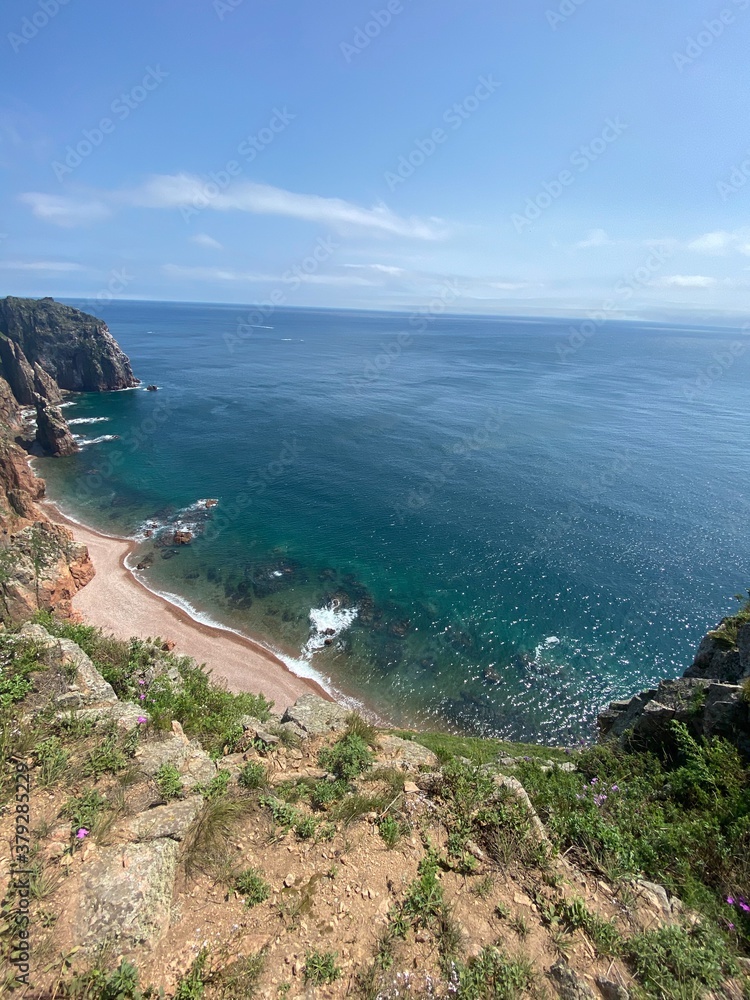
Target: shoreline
(121, 605)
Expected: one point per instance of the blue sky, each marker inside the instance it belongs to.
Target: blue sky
(556, 157)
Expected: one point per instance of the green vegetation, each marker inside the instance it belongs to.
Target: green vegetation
(168, 781)
(683, 821)
(19, 658)
(726, 634)
(321, 968)
(390, 830)
(674, 963)
(253, 775)
(85, 810)
(205, 709)
(52, 758)
(97, 984)
(250, 884)
(347, 758)
(479, 750)
(493, 975)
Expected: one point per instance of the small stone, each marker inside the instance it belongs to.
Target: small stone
(410, 788)
(289, 881)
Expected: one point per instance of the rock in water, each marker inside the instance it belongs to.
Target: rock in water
(52, 432)
(75, 349)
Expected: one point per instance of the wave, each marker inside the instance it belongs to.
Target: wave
(326, 624)
(87, 420)
(192, 518)
(83, 442)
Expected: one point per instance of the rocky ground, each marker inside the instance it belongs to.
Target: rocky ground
(320, 857)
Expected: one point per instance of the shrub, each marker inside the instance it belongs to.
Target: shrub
(347, 758)
(169, 781)
(493, 975)
(305, 828)
(390, 830)
(106, 758)
(253, 775)
(673, 963)
(321, 968)
(324, 793)
(216, 787)
(85, 810)
(252, 886)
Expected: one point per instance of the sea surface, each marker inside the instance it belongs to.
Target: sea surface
(503, 523)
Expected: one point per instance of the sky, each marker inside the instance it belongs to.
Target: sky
(553, 157)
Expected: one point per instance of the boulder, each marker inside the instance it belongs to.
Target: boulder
(193, 763)
(173, 820)
(126, 895)
(52, 431)
(87, 686)
(315, 716)
(405, 755)
(569, 985)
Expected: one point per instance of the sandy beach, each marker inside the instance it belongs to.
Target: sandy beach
(119, 604)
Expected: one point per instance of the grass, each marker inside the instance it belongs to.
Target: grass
(347, 758)
(673, 963)
(204, 707)
(480, 751)
(682, 820)
(52, 758)
(169, 781)
(252, 886)
(209, 833)
(494, 975)
(726, 634)
(390, 830)
(253, 775)
(321, 968)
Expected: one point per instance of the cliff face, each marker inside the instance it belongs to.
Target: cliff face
(40, 564)
(711, 698)
(74, 349)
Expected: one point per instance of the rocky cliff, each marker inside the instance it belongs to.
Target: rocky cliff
(74, 349)
(40, 564)
(712, 698)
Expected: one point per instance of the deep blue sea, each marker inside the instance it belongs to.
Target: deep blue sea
(503, 534)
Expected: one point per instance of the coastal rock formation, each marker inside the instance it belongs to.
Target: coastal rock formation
(75, 349)
(710, 699)
(52, 431)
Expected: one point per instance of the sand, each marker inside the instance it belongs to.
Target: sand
(122, 606)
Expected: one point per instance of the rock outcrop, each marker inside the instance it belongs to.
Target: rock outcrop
(74, 349)
(709, 699)
(52, 431)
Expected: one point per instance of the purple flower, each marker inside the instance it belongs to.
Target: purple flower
(594, 781)
(730, 900)
(82, 833)
(141, 681)
(730, 925)
(599, 799)
(744, 907)
(142, 719)
(142, 697)
(615, 788)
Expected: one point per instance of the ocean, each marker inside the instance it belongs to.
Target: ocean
(484, 525)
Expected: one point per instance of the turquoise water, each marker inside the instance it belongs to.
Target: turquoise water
(502, 539)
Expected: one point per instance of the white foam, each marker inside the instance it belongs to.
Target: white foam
(551, 640)
(87, 420)
(331, 617)
(85, 442)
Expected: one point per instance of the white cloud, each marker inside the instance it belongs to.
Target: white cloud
(382, 268)
(52, 266)
(594, 238)
(686, 281)
(722, 242)
(66, 212)
(204, 240)
(189, 191)
(252, 277)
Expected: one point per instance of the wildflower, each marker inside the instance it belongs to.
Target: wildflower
(82, 833)
(142, 697)
(594, 781)
(744, 907)
(142, 719)
(615, 788)
(730, 900)
(600, 799)
(730, 925)
(141, 681)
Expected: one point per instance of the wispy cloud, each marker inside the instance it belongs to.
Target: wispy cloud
(188, 190)
(64, 211)
(50, 266)
(254, 277)
(204, 240)
(722, 242)
(686, 281)
(594, 238)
